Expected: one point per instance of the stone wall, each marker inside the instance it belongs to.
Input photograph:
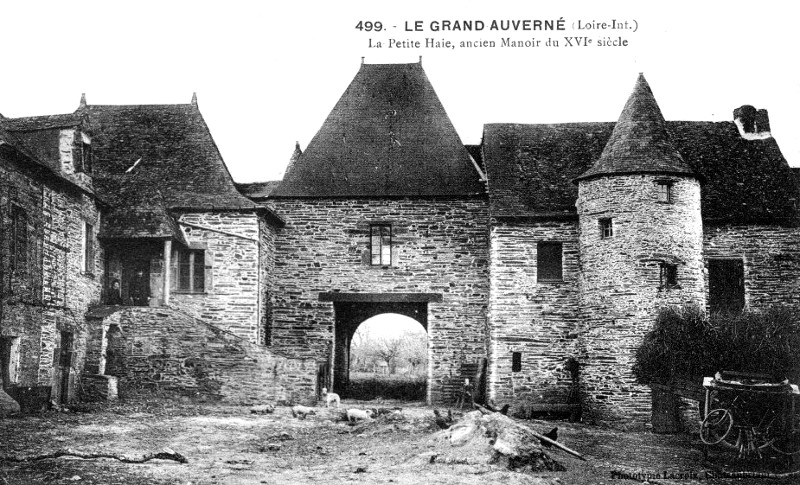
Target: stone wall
(438, 246)
(231, 299)
(538, 319)
(771, 256)
(53, 291)
(167, 349)
(620, 282)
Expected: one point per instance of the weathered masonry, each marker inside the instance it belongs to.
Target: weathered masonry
(385, 211)
(544, 245)
(50, 260)
(595, 226)
(178, 252)
(131, 260)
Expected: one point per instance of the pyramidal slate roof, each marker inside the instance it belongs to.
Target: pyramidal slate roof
(175, 151)
(640, 142)
(388, 135)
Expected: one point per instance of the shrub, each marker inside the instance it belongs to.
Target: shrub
(686, 343)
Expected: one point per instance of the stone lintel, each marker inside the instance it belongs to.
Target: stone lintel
(381, 297)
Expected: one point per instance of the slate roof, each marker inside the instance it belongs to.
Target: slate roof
(258, 190)
(388, 135)
(177, 164)
(639, 142)
(176, 152)
(19, 142)
(40, 134)
(531, 168)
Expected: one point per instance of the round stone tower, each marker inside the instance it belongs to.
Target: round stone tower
(641, 249)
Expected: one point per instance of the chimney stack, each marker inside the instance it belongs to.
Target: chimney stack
(753, 123)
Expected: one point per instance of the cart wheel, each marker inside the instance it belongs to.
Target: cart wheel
(716, 426)
(786, 443)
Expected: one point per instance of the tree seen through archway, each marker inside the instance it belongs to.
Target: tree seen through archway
(389, 358)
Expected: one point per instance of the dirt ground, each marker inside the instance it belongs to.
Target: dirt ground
(227, 444)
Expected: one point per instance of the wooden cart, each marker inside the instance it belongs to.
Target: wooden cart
(753, 414)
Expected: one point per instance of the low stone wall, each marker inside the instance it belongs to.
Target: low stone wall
(165, 349)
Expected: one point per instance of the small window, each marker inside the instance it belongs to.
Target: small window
(19, 238)
(665, 192)
(516, 361)
(606, 228)
(267, 340)
(191, 271)
(380, 237)
(669, 275)
(549, 261)
(88, 248)
(86, 155)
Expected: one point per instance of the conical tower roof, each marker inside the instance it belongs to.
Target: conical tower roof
(640, 142)
(388, 135)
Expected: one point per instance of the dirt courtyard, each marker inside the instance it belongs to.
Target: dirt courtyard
(227, 444)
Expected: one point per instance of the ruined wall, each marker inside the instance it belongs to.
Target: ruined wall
(438, 246)
(536, 318)
(771, 256)
(620, 287)
(50, 294)
(164, 348)
(232, 258)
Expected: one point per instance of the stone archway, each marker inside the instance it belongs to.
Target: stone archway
(352, 309)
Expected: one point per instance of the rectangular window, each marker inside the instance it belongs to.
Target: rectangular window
(380, 239)
(606, 228)
(267, 319)
(88, 248)
(669, 275)
(516, 361)
(726, 285)
(19, 238)
(665, 192)
(191, 271)
(86, 154)
(549, 261)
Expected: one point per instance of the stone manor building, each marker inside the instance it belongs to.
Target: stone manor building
(543, 245)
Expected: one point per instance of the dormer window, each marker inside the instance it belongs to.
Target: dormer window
(664, 191)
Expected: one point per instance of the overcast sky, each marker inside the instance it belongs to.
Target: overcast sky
(268, 73)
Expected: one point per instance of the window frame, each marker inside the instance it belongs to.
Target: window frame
(19, 234)
(381, 247)
(606, 225)
(668, 275)
(516, 361)
(88, 249)
(187, 258)
(539, 261)
(664, 188)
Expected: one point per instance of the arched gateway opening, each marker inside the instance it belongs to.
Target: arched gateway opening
(353, 309)
(388, 359)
